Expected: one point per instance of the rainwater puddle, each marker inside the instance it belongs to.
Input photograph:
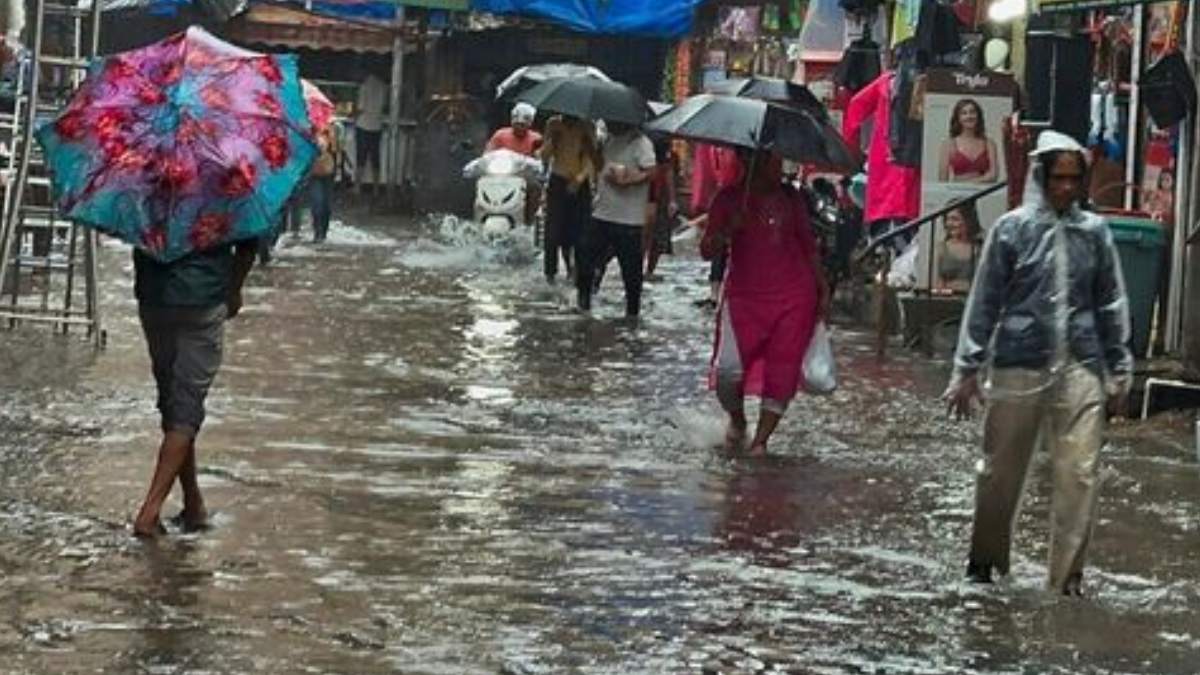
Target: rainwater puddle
(420, 459)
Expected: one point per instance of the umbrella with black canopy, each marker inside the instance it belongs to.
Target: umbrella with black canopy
(791, 133)
(773, 90)
(589, 99)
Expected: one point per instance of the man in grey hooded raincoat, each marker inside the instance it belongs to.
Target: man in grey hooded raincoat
(1048, 313)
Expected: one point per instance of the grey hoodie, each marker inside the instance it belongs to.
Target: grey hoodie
(1013, 314)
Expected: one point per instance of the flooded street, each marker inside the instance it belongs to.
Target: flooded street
(420, 460)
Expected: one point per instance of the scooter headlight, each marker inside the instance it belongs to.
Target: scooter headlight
(501, 166)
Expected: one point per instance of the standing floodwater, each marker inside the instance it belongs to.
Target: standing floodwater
(419, 459)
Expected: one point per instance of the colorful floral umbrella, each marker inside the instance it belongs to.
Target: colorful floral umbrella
(320, 108)
(182, 145)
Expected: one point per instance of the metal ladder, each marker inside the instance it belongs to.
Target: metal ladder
(42, 255)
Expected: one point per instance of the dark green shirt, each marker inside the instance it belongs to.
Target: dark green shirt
(195, 280)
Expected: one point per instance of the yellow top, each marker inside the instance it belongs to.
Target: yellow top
(570, 148)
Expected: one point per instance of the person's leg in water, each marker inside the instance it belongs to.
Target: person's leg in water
(768, 419)
(627, 244)
(579, 209)
(730, 386)
(592, 241)
(552, 235)
(321, 187)
(194, 515)
(185, 352)
(602, 261)
(648, 249)
(172, 454)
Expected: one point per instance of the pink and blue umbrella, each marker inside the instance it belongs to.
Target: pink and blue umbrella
(181, 146)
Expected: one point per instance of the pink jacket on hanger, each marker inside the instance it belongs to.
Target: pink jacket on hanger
(893, 191)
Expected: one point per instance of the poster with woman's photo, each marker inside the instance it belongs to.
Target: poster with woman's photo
(962, 154)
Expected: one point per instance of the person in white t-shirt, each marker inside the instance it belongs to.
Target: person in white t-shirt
(618, 215)
(368, 128)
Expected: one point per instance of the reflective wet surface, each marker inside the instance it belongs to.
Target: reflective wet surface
(420, 460)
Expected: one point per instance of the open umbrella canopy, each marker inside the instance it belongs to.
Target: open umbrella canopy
(752, 124)
(774, 90)
(181, 145)
(320, 108)
(527, 76)
(589, 99)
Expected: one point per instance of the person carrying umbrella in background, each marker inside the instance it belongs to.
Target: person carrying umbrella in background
(187, 149)
(575, 160)
(621, 171)
(571, 151)
(619, 214)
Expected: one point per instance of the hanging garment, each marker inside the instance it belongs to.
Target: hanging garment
(893, 191)
(859, 66)
(937, 30)
(1055, 98)
(1017, 144)
(905, 16)
(907, 124)
(823, 37)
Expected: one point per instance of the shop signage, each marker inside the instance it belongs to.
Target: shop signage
(1052, 6)
(962, 153)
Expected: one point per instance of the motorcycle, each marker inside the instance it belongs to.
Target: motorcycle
(502, 180)
(837, 223)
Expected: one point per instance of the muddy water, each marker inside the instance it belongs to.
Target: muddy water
(421, 461)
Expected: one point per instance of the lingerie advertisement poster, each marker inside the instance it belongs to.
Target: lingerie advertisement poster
(962, 153)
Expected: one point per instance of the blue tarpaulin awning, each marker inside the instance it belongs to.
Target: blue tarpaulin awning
(649, 18)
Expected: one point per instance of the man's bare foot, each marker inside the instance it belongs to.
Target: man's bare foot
(152, 531)
(758, 450)
(191, 520)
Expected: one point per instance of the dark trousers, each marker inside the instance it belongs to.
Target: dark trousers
(320, 194)
(566, 214)
(598, 239)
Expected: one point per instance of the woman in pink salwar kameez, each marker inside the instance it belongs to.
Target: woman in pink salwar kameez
(774, 293)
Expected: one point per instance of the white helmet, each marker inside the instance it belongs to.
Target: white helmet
(523, 113)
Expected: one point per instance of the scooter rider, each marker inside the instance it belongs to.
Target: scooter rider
(520, 137)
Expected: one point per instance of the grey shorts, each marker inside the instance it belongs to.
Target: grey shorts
(185, 352)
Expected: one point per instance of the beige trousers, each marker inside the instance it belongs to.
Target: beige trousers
(1068, 416)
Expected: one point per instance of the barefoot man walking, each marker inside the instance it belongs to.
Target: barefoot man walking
(183, 306)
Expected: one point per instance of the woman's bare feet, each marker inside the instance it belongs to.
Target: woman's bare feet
(758, 450)
(735, 438)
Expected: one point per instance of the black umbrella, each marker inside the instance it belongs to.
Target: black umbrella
(589, 99)
(772, 89)
(525, 77)
(791, 133)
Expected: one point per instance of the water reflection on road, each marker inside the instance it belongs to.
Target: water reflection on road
(420, 460)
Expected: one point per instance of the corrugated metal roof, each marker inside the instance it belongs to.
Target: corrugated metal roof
(285, 25)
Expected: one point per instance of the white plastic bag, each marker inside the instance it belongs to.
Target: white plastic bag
(820, 370)
(903, 272)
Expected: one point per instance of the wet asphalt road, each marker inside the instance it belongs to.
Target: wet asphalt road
(421, 461)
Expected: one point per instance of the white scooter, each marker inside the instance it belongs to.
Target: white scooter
(501, 189)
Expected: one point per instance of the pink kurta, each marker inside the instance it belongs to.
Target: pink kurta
(770, 292)
(893, 191)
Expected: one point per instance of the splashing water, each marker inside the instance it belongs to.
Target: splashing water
(449, 242)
